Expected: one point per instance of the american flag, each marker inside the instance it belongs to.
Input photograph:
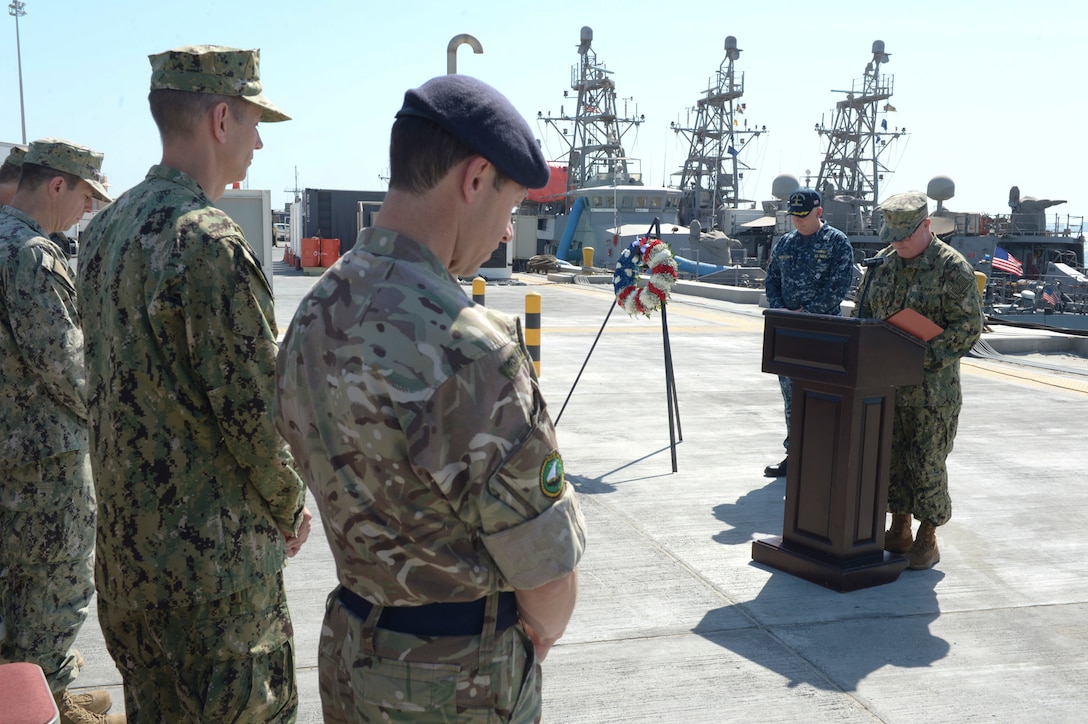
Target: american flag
(1050, 297)
(1006, 262)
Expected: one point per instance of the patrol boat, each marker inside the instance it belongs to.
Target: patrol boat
(1034, 265)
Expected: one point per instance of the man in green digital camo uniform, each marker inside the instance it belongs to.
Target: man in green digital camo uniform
(199, 502)
(9, 174)
(420, 429)
(930, 277)
(47, 502)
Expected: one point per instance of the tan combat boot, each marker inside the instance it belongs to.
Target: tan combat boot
(897, 539)
(924, 553)
(96, 702)
(70, 713)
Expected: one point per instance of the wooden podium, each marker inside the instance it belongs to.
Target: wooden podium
(844, 373)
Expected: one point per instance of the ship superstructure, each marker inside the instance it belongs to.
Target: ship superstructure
(594, 134)
(604, 202)
(859, 134)
(711, 175)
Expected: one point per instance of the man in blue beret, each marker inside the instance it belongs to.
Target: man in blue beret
(421, 431)
(810, 270)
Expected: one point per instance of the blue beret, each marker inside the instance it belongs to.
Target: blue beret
(484, 120)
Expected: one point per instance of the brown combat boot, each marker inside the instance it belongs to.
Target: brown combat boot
(897, 539)
(70, 713)
(924, 553)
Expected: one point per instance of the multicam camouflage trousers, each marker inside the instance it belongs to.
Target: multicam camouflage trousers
(47, 529)
(369, 674)
(922, 438)
(231, 660)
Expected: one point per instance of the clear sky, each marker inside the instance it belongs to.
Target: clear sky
(991, 92)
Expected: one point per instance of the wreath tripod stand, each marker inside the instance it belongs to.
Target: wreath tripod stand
(627, 271)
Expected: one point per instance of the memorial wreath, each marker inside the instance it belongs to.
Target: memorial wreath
(654, 256)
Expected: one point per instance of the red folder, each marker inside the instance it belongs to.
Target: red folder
(915, 324)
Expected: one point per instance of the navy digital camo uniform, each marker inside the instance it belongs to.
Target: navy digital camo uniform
(812, 274)
(47, 504)
(418, 424)
(939, 284)
(194, 484)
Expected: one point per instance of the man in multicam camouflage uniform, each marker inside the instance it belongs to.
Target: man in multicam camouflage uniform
(420, 429)
(199, 502)
(47, 501)
(924, 274)
(810, 270)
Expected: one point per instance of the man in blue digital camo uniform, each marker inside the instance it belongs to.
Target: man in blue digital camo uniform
(810, 270)
(419, 427)
(924, 274)
(47, 501)
(199, 504)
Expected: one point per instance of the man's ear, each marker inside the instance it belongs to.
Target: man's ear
(475, 176)
(217, 117)
(55, 186)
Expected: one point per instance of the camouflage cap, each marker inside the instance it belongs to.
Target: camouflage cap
(214, 69)
(902, 214)
(70, 158)
(15, 156)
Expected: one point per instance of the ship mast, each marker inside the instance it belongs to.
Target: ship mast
(595, 133)
(851, 169)
(712, 172)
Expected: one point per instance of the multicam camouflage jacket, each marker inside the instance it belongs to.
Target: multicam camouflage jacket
(420, 429)
(940, 285)
(194, 484)
(43, 410)
(812, 273)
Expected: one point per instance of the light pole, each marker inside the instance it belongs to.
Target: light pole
(17, 9)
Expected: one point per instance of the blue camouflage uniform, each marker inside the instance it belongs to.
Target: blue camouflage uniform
(809, 274)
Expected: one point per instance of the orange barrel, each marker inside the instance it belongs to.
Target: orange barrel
(330, 251)
(311, 251)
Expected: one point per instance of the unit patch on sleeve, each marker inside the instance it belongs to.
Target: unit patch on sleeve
(551, 475)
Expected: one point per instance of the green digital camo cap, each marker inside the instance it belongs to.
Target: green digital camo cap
(902, 214)
(68, 157)
(15, 156)
(214, 69)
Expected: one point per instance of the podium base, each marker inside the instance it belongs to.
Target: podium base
(838, 575)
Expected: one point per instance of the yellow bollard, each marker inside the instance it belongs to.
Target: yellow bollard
(980, 280)
(532, 328)
(479, 286)
(587, 256)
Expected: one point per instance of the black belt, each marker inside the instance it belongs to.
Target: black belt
(435, 619)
